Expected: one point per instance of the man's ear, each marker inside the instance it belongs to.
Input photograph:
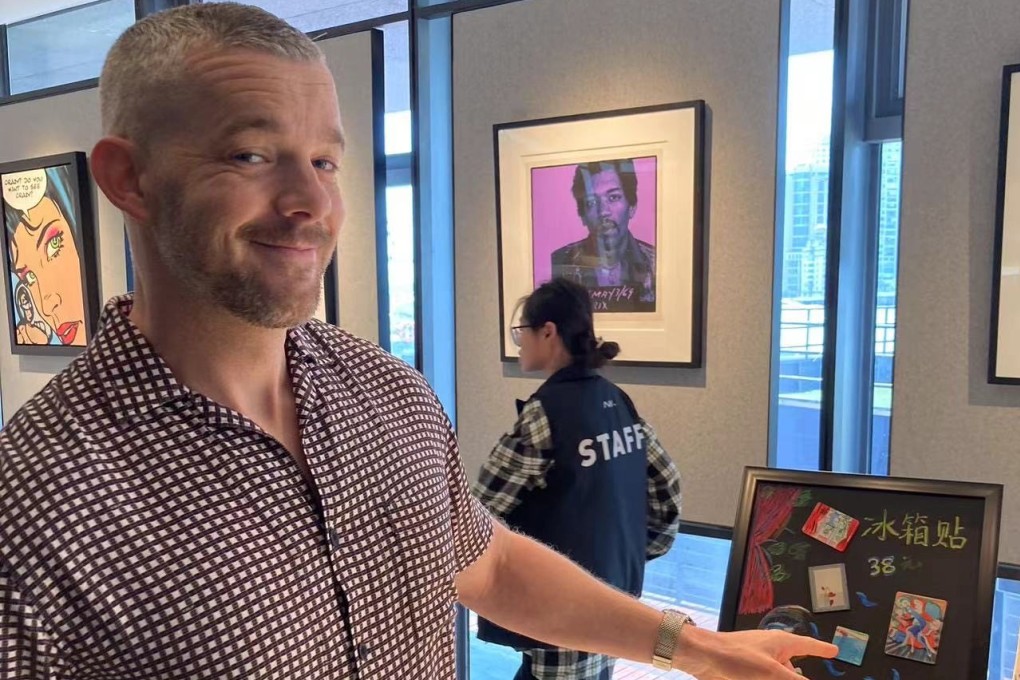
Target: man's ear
(116, 169)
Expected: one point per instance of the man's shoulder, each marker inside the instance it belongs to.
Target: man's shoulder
(373, 367)
(53, 414)
(43, 442)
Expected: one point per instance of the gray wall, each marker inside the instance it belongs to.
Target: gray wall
(947, 421)
(71, 123)
(350, 59)
(555, 57)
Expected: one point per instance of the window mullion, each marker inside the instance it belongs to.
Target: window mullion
(5, 66)
(841, 45)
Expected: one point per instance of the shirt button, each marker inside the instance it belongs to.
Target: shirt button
(334, 538)
(363, 651)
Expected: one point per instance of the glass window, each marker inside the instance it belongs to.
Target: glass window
(396, 47)
(401, 263)
(316, 15)
(401, 266)
(804, 239)
(66, 46)
(885, 304)
(1005, 621)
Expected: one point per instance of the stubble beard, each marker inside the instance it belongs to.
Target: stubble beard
(180, 241)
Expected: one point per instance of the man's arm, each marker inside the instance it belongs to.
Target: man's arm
(663, 496)
(528, 588)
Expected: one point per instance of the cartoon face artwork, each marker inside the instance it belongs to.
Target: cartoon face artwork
(44, 258)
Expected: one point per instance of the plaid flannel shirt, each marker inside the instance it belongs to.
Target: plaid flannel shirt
(520, 461)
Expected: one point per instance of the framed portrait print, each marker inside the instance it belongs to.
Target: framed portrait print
(51, 278)
(1004, 352)
(613, 201)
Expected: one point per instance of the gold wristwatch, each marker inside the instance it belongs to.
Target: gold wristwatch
(673, 622)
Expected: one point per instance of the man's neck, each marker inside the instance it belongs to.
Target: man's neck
(232, 362)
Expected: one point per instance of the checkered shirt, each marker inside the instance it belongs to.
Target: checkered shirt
(519, 463)
(149, 532)
(566, 664)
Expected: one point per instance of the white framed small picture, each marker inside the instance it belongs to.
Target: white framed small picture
(828, 588)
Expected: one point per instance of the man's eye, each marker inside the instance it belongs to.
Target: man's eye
(249, 158)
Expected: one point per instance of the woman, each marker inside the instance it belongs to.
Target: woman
(581, 471)
(45, 257)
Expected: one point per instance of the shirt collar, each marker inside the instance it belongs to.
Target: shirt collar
(133, 375)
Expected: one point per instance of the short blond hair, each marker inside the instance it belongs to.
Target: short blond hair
(147, 62)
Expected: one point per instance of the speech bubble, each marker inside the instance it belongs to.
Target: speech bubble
(24, 190)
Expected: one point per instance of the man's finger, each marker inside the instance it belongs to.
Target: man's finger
(798, 645)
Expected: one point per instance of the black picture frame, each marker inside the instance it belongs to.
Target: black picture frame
(630, 140)
(1004, 335)
(988, 495)
(80, 197)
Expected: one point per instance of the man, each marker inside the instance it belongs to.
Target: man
(220, 488)
(617, 268)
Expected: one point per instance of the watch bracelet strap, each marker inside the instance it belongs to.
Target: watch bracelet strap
(673, 622)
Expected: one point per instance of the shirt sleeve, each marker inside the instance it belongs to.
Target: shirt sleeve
(518, 463)
(664, 496)
(28, 649)
(472, 524)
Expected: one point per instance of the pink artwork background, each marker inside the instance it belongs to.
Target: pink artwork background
(554, 218)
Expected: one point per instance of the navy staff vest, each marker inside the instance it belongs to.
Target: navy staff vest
(594, 507)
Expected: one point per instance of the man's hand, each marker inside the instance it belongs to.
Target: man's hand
(745, 655)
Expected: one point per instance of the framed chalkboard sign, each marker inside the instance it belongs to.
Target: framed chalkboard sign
(899, 573)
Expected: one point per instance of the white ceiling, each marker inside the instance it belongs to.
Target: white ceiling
(18, 10)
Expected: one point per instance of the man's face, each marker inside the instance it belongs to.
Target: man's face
(606, 212)
(46, 259)
(245, 199)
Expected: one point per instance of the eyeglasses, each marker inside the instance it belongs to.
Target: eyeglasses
(515, 333)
